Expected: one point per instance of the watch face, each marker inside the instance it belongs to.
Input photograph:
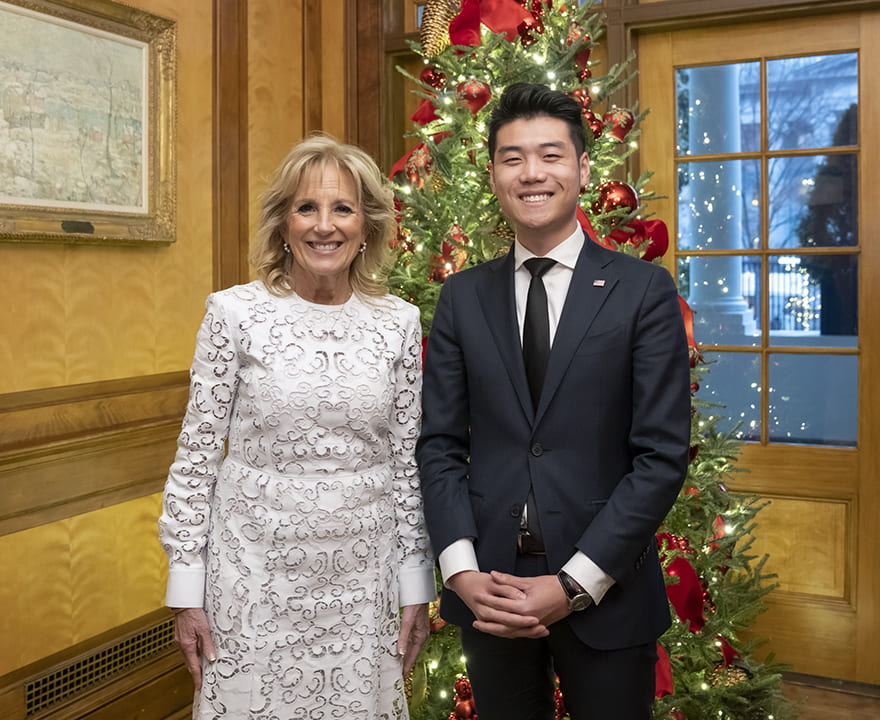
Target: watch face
(580, 602)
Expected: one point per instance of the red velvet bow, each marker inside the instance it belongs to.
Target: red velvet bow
(728, 654)
(686, 595)
(688, 316)
(500, 16)
(650, 237)
(587, 226)
(424, 113)
(450, 260)
(663, 682)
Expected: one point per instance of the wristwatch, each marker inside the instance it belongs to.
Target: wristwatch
(578, 598)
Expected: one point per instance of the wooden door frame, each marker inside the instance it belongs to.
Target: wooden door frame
(804, 472)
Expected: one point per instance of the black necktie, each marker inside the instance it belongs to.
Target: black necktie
(536, 327)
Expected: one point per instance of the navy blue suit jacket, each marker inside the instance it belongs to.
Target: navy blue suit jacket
(606, 449)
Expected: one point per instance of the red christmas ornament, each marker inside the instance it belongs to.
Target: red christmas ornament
(559, 711)
(433, 77)
(615, 195)
(463, 688)
(621, 121)
(537, 24)
(435, 622)
(525, 38)
(418, 165)
(582, 95)
(538, 6)
(595, 124)
(464, 709)
(584, 75)
(577, 34)
(473, 93)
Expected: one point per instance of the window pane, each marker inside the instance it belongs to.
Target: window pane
(719, 109)
(813, 300)
(813, 399)
(734, 380)
(724, 293)
(719, 205)
(814, 201)
(798, 87)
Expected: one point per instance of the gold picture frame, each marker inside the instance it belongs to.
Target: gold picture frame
(87, 123)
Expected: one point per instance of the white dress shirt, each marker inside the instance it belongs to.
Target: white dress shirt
(460, 555)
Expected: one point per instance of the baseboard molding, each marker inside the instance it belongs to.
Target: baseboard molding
(825, 683)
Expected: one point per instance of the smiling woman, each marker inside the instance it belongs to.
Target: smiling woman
(293, 546)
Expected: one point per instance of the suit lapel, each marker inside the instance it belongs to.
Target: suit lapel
(498, 301)
(591, 283)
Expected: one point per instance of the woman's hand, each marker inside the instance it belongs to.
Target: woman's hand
(193, 637)
(414, 631)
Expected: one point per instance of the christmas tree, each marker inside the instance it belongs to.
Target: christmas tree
(450, 220)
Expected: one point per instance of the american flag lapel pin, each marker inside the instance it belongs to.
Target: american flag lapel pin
(598, 283)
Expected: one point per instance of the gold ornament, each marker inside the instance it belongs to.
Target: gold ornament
(728, 676)
(437, 182)
(434, 32)
(504, 232)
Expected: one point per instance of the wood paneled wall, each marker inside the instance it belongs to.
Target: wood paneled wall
(96, 341)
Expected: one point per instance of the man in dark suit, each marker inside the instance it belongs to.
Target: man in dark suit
(554, 441)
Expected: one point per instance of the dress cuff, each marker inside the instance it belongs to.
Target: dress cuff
(186, 587)
(417, 585)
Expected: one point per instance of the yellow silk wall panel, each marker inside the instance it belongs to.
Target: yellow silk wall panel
(275, 89)
(70, 580)
(79, 314)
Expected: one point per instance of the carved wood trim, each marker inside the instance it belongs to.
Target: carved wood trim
(363, 74)
(313, 115)
(69, 450)
(230, 163)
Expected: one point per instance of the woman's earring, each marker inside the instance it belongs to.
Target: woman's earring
(363, 247)
(286, 248)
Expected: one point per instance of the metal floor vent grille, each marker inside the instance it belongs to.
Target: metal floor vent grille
(80, 674)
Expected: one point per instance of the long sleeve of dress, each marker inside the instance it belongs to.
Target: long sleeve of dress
(417, 566)
(183, 526)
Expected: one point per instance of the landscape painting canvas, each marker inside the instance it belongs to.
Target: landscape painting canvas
(73, 115)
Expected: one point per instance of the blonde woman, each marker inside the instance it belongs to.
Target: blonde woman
(292, 515)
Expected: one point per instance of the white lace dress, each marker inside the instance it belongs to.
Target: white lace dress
(304, 540)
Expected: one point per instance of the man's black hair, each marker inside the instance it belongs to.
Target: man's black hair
(528, 100)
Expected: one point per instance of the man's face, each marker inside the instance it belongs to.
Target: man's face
(537, 176)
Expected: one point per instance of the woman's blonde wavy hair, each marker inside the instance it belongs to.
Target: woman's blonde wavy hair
(369, 269)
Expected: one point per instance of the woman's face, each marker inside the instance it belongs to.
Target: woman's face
(325, 227)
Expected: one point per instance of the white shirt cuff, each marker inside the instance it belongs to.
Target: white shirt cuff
(458, 557)
(417, 585)
(589, 576)
(186, 587)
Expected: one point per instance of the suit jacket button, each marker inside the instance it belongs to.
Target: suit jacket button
(515, 510)
(537, 450)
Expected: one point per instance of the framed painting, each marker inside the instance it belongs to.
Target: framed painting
(87, 123)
